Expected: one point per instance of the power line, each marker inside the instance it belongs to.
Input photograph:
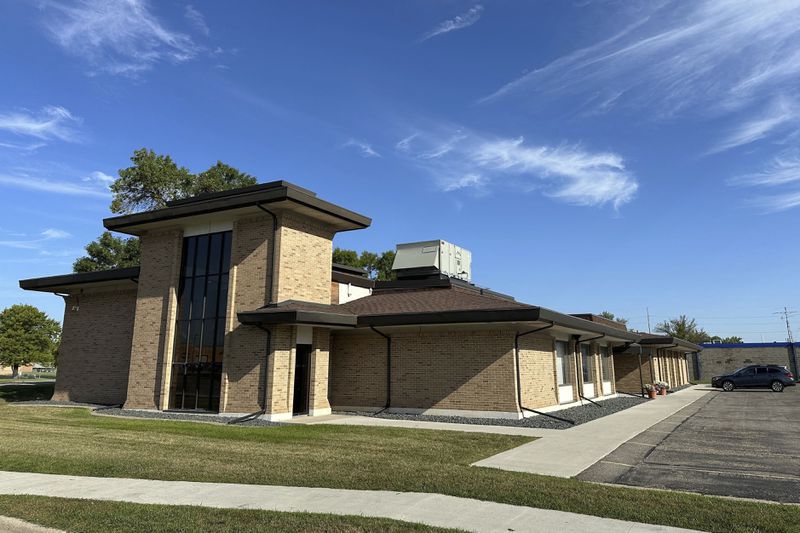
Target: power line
(786, 313)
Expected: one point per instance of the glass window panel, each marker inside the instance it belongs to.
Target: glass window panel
(202, 256)
(185, 299)
(215, 253)
(188, 256)
(212, 293)
(198, 297)
(586, 360)
(195, 338)
(181, 342)
(562, 363)
(222, 303)
(207, 351)
(226, 251)
(220, 342)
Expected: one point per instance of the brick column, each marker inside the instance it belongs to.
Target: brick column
(154, 324)
(320, 356)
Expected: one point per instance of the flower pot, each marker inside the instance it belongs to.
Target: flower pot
(651, 394)
(663, 392)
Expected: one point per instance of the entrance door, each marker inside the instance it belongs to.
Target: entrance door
(301, 379)
(563, 373)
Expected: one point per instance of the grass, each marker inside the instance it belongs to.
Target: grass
(92, 516)
(71, 441)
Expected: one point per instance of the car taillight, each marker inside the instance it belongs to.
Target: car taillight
(790, 375)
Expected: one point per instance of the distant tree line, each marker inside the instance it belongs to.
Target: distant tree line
(682, 327)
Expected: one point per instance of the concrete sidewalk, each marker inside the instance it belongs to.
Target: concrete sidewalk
(431, 509)
(567, 453)
(356, 420)
(15, 525)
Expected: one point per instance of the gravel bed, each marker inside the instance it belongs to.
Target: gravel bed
(580, 415)
(191, 417)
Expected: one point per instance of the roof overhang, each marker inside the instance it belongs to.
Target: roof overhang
(278, 195)
(273, 316)
(665, 341)
(118, 277)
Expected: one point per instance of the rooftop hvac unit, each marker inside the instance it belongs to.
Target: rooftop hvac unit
(432, 258)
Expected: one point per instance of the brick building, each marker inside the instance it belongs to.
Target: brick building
(719, 359)
(237, 308)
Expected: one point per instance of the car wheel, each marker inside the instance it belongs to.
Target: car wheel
(728, 386)
(776, 386)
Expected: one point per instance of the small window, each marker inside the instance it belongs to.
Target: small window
(762, 370)
(586, 360)
(605, 363)
(774, 370)
(562, 363)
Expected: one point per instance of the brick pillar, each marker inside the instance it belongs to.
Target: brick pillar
(154, 324)
(320, 357)
(280, 378)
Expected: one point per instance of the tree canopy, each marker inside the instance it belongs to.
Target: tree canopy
(378, 266)
(726, 340)
(611, 316)
(154, 179)
(684, 328)
(149, 183)
(27, 335)
(108, 252)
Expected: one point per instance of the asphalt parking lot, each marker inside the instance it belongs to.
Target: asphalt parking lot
(744, 443)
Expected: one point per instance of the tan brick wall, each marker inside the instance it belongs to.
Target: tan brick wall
(304, 267)
(320, 368)
(95, 351)
(464, 370)
(357, 370)
(155, 317)
(280, 381)
(719, 361)
(626, 373)
(334, 293)
(537, 372)
(245, 346)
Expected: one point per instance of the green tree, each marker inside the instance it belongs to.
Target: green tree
(108, 252)
(27, 335)
(684, 328)
(610, 316)
(378, 266)
(726, 340)
(154, 179)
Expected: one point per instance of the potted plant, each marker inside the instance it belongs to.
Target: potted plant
(651, 391)
(662, 387)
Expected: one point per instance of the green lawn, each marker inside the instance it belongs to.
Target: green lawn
(71, 441)
(92, 516)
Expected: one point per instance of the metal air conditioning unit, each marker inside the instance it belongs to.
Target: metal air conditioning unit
(419, 260)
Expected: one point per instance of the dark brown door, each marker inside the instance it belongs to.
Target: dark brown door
(301, 379)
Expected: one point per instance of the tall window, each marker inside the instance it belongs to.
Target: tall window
(605, 363)
(586, 360)
(202, 306)
(562, 364)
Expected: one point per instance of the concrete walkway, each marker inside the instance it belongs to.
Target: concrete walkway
(431, 509)
(356, 420)
(15, 525)
(567, 453)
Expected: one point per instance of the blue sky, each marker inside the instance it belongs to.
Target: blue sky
(593, 155)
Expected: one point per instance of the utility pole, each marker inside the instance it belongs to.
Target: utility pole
(648, 320)
(786, 313)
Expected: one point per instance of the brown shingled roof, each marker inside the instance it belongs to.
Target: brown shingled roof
(429, 300)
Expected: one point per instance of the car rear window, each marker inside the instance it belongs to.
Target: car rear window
(762, 370)
(775, 371)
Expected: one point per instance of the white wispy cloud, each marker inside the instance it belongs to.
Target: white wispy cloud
(461, 21)
(714, 53)
(34, 244)
(781, 174)
(116, 36)
(26, 147)
(779, 113)
(364, 148)
(571, 173)
(100, 178)
(404, 144)
(196, 19)
(53, 187)
(50, 122)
